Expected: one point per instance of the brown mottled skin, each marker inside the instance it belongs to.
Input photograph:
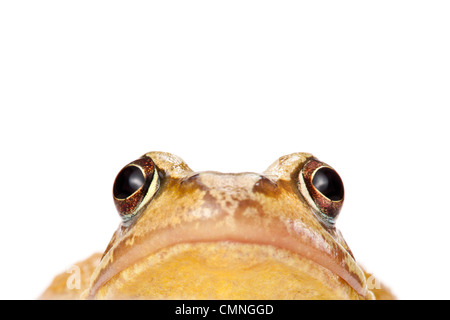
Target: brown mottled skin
(211, 235)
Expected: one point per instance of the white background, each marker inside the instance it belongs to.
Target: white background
(88, 86)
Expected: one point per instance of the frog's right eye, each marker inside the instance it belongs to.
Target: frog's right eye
(135, 186)
(323, 189)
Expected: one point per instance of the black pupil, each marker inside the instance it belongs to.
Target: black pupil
(128, 181)
(328, 182)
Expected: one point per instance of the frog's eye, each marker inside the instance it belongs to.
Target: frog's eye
(323, 189)
(134, 186)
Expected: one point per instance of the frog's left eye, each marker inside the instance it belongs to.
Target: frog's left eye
(134, 186)
(323, 189)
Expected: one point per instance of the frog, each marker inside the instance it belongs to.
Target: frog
(187, 234)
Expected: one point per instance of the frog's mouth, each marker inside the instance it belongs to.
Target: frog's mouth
(228, 260)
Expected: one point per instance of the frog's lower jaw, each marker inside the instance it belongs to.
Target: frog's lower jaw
(226, 270)
(227, 259)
